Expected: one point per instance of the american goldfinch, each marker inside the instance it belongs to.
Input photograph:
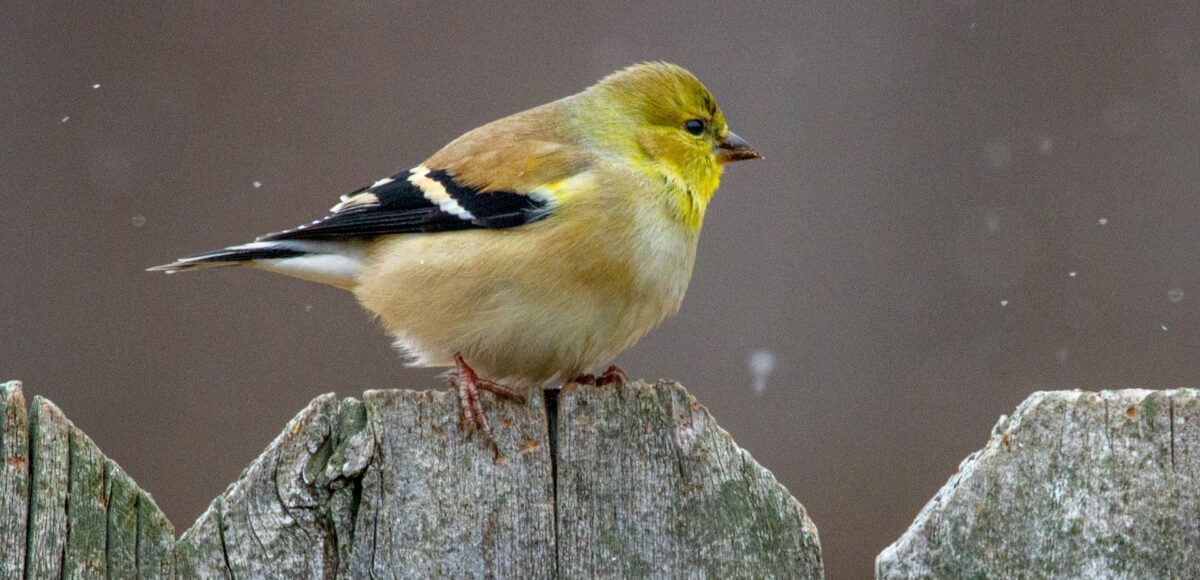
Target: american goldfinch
(536, 247)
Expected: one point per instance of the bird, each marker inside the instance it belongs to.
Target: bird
(532, 249)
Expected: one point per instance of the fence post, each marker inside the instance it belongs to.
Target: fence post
(635, 480)
(1072, 485)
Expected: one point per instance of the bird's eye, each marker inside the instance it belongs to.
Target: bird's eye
(694, 126)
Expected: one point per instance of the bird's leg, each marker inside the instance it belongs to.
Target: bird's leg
(467, 385)
(612, 374)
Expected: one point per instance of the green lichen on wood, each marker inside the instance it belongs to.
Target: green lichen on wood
(352, 452)
(49, 435)
(156, 539)
(122, 496)
(87, 518)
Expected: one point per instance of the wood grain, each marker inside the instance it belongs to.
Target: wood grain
(1073, 485)
(604, 482)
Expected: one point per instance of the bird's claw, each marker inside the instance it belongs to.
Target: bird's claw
(612, 375)
(468, 385)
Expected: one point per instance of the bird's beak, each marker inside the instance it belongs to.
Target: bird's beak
(734, 148)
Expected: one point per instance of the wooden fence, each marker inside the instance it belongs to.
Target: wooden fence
(629, 482)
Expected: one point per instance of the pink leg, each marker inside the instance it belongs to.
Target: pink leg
(612, 374)
(468, 385)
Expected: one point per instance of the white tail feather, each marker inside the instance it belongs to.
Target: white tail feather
(334, 263)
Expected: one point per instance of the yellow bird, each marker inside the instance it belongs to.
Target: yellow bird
(536, 247)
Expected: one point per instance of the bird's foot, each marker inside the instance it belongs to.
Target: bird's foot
(468, 385)
(611, 375)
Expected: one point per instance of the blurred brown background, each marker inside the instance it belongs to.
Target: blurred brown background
(962, 202)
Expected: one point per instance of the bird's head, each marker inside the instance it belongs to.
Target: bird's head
(663, 119)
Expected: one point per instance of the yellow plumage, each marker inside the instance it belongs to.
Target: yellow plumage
(539, 245)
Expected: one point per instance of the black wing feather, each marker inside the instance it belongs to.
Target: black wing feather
(496, 209)
(401, 207)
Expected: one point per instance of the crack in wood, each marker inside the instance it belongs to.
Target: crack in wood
(550, 403)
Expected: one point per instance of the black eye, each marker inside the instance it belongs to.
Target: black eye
(694, 126)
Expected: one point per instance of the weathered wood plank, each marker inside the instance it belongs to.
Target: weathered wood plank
(200, 551)
(49, 434)
(389, 486)
(650, 486)
(122, 496)
(353, 450)
(66, 511)
(1073, 485)
(155, 540)
(14, 480)
(385, 485)
(647, 485)
(87, 515)
(436, 503)
(273, 516)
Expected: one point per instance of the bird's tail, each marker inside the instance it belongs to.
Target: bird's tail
(231, 256)
(333, 263)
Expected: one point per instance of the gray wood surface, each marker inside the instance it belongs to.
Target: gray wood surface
(650, 486)
(66, 511)
(647, 485)
(636, 481)
(633, 481)
(1073, 485)
(14, 480)
(49, 457)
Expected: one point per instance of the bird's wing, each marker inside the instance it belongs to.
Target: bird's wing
(419, 200)
(501, 175)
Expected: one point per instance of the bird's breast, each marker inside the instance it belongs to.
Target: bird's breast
(545, 300)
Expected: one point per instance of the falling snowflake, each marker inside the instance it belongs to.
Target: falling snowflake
(1045, 145)
(761, 363)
